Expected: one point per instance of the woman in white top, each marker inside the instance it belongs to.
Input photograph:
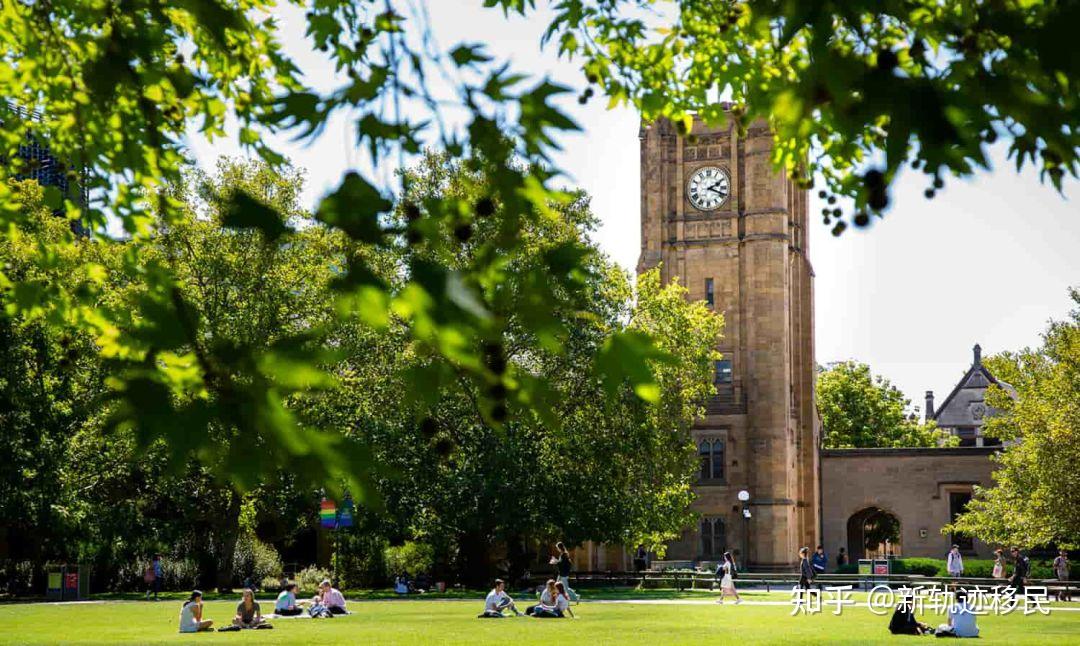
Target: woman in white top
(562, 601)
(999, 564)
(547, 599)
(191, 620)
(727, 582)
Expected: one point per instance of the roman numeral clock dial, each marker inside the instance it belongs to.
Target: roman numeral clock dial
(708, 188)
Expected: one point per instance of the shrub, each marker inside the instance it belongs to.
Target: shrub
(411, 558)
(922, 566)
(270, 584)
(310, 577)
(254, 558)
(361, 561)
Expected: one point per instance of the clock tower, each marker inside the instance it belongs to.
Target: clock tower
(716, 217)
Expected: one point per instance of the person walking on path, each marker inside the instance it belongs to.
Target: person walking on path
(564, 565)
(1021, 568)
(727, 580)
(806, 571)
(1061, 571)
(841, 558)
(954, 563)
(152, 577)
(999, 564)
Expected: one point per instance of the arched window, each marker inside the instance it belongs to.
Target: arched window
(711, 459)
(706, 538)
(705, 457)
(713, 538)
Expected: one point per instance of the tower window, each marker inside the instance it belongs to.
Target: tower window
(711, 460)
(710, 295)
(722, 373)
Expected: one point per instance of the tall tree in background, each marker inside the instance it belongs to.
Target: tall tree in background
(471, 478)
(1035, 499)
(862, 410)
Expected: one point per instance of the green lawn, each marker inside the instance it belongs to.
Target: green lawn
(453, 622)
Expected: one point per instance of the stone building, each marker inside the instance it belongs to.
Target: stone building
(717, 218)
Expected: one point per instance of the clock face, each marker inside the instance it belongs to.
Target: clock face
(708, 188)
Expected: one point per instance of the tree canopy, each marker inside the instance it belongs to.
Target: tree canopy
(853, 91)
(862, 410)
(1034, 500)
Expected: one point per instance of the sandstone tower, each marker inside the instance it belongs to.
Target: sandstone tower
(717, 217)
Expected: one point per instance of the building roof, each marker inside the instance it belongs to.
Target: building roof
(964, 406)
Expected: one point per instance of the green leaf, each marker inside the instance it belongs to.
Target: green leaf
(355, 208)
(242, 211)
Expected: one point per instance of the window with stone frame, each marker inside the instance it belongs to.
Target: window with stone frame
(710, 292)
(713, 538)
(711, 460)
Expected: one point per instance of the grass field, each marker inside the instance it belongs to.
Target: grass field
(454, 622)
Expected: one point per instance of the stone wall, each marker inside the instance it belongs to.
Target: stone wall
(911, 484)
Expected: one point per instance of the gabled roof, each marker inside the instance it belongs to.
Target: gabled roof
(977, 376)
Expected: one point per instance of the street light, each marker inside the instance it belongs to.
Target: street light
(744, 498)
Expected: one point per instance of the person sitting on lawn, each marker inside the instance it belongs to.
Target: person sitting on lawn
(191, 615)
(561, 607)
(286, 604)
(331, 598)
(547, 598)
(248, 613)
(497, 600)
(961, 619)
(903, 621)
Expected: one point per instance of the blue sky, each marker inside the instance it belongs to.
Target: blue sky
(988, 260)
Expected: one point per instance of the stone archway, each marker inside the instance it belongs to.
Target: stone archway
(873, 532)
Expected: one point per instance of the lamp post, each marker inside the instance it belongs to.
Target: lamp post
(744, 498)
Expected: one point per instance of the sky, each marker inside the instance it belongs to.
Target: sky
(988, 261)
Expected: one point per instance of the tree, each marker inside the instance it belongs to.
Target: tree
(1035, 498)
(49, 380)
(471, 471)
(859, 409)
(853, 90)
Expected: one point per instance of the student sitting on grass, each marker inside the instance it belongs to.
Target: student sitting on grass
(561, 608)
(331, 598)
(248, 613)
(497, 601)
(903, 622)
(286, 604)
(547, 598)
(191, 617)
(961, 619)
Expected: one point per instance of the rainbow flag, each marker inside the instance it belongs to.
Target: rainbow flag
(328, 514)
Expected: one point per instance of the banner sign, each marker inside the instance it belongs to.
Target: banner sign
(327, 514)
(345, 515)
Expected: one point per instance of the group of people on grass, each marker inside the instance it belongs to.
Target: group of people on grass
(326, 603)
(961, 620)
(555, 597)
(554, 603)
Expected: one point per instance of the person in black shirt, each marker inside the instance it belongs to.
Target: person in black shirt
(841, 558)
(564, 566)
(1021, 568)
(806, 571)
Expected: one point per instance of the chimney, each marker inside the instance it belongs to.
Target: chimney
(978, 355)
(929, 405)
